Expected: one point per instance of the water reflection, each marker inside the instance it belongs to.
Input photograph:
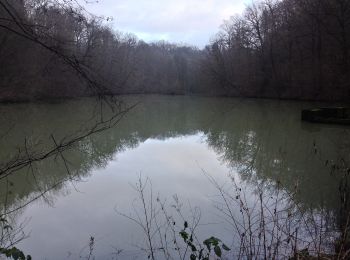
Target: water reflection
(169, 139)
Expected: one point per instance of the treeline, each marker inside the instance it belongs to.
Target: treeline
(295, 49)
(164, 68)
(284, 49)
(48, 47)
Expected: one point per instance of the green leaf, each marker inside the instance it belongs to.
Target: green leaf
(186, 224)
(225, 247)
(17, 254)
(193, 257)
(216, 241)
(212, 241)
(184, 235)
(207, 243)
(193, 248)
(217, 251)
(8, 253)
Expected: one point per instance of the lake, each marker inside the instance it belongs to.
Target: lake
(180, 148)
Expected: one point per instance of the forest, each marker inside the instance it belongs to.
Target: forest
(224, 169)
(289, 49)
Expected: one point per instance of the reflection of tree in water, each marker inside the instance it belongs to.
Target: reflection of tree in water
(263, 140)
(276, 147)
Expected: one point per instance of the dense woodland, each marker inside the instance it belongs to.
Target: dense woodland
(295, 49)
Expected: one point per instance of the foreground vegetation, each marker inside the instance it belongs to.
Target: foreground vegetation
(266, 223)
(295, 49)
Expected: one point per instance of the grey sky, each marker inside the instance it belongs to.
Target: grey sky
(187, 21)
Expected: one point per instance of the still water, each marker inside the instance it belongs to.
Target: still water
(172, 144)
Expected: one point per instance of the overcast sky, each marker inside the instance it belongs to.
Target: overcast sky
(180, 21)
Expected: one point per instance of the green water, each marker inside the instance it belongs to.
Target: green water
(169, 139)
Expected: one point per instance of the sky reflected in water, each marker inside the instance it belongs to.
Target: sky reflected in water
(174, 166)
(171, 141)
